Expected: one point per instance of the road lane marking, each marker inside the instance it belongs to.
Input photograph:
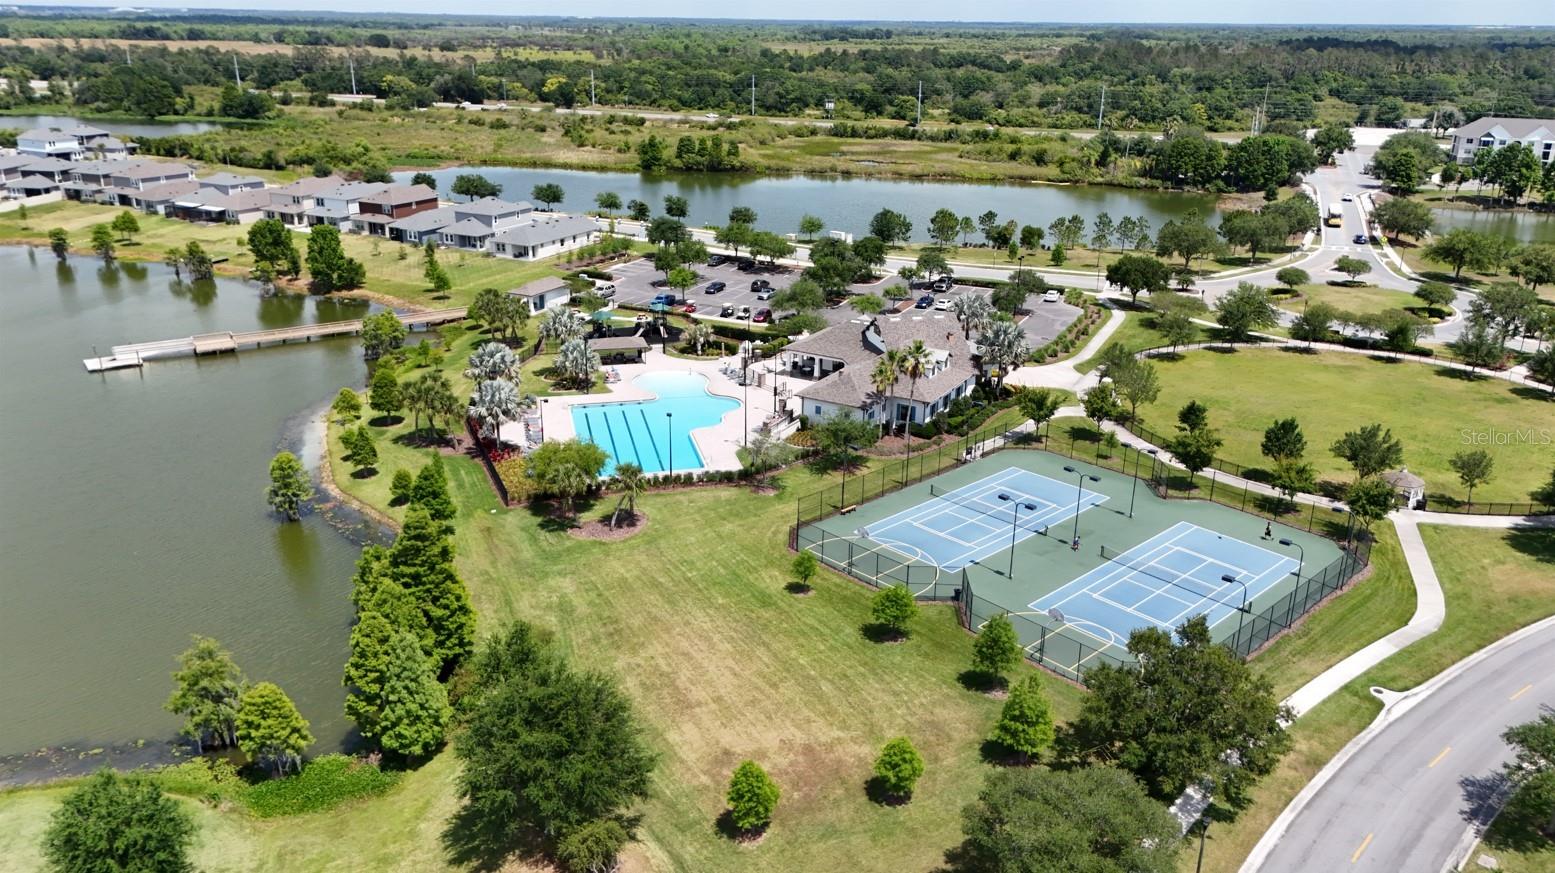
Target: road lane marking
(1521, 691)
(1438, 759)
(1364, 843)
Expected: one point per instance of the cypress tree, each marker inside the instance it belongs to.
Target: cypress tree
(413, 705)
(430, 491)
(1025, 725)
(421, 561)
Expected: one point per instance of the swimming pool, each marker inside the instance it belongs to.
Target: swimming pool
(654, 434)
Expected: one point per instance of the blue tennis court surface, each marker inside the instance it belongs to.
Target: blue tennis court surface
(1166, 580)
(977, 520)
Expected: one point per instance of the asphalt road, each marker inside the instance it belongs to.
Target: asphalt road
(1413, 796)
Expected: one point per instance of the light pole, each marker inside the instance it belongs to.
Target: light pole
(1302, 561)
(1015, 526)
(669, 431)
(745, 385)
(1134, 488)
(1079, 492)
(1241, 610)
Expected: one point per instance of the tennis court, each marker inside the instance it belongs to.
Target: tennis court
(965, 525)
(1181, 572)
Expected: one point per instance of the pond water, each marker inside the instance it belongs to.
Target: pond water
(113, 125)
(843, 202)
(132, 508)
(1525, 227)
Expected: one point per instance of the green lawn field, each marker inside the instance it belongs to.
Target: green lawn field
(1436, 412)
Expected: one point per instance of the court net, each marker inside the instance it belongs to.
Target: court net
(1197, 587)
(1004, 516)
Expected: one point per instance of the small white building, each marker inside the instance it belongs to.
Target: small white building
(543, 294)
(1410, 488)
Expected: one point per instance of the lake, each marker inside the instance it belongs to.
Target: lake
(132, 509)
(1525, 227)
(843, 202)
(114, 125)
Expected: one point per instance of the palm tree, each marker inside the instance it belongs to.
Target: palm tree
(888, 369)
(915, 362)
(491, 361)
(568, 483)
(632, 482)
(495, 403)
(972, 310)
(698, 334)
(1004, 346)
(508, 317)
(562, 325)
(577, 363)
(431, 393)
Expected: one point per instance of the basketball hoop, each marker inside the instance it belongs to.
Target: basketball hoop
(1057, 615)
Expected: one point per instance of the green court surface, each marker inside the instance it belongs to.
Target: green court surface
(1141, 560)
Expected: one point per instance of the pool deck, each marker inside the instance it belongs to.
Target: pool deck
(718, 444)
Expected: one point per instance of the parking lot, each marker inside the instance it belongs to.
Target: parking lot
(635, 280)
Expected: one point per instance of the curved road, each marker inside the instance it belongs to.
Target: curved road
(1411, 793)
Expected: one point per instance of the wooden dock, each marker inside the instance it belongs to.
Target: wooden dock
(136, 354)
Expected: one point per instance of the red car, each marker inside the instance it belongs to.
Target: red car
(690, 307)
(762, 316)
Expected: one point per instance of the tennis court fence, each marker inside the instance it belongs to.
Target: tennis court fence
(1257, 629)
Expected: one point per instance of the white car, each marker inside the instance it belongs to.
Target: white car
(942, 304)
(766, 293)
(1051, 296)
(604, 289)
(1347, 197)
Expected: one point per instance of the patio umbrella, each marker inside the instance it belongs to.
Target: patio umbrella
(602, 315)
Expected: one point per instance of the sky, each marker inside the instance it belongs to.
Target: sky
(1506, 12)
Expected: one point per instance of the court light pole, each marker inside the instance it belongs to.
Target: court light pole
(1079, 492)
(1134, 489)
(1302, 561)
(1241, 610)
(1014, 527)
(669, 433)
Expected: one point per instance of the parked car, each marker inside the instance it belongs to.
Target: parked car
(1359, 239)
(747, 264)
(766, 293)
(666, 299)
(943, 304)
(727, 311)
(758, 284)
(924, 302)
(762, 316)
(1051, 295)
(715, 287)
(717, 260)
(605, 290)
(690, 307)
(941, 285)
(743, 313)
(1347, 198)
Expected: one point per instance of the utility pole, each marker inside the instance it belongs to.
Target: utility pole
(236, 73)
(1263, 110)
(126, 55)
(591, 87)
(352, 62)
(753, 93)
(1102, 108)
(920, 104)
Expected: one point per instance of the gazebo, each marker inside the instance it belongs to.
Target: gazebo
(1410, 488)
(619, 348)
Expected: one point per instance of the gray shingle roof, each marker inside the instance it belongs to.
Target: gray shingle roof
(491, 206)
(310, 186)
(617, 343)
(228, 180)
(1516, 128)
(34, 183)
(538, 287)
(545, 230)
(401, 194)
(469, 227)
(424, 222)
(169, 190)
(850, 386)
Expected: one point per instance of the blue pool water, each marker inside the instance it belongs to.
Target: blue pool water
(653, 433)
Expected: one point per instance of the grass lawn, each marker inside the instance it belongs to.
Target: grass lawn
(1137, 334)
(1361, 300)
(1434, 411)
(1520, 590)
(387, 274)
